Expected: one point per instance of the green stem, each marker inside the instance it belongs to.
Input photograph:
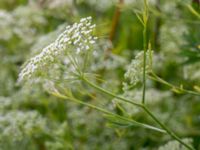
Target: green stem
(144, 65)
(158, 79)
(109, 113)
(110, 93)
(171, 133)
(145, 20)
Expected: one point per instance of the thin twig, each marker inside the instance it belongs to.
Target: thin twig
(72, 98)
(174, 87)
(145, 22)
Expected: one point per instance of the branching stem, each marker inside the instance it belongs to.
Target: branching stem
(153, 76)
(142, 106)
(171, 133)
(110, 93)
(72, 98)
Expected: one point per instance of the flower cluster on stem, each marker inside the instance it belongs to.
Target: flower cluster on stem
(77, 37)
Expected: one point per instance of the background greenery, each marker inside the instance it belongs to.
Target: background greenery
(32, 119)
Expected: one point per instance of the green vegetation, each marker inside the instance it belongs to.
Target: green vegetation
(99, 75)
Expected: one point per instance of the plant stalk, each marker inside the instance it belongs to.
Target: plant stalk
(171, 133)
(110, 93)
(145, 21)
(108, 112)
(142, 106)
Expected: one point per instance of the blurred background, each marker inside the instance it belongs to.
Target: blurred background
(31, 119)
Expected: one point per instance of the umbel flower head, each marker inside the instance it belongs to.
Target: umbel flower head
(134, 71)
(77, 38)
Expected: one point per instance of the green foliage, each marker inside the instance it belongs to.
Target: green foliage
(83, 92)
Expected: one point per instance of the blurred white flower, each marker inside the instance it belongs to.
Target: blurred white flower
(17, 124)
(6, 21)
(135, 70)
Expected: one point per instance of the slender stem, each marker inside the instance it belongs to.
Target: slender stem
(108, 112)
(144, 65)
(171, 133)
(145, 20)
(157, 78)
(74, 63)
(110, 93)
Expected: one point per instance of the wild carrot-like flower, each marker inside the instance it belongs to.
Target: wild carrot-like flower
(75, 39)
(134, 71)
(17, 124)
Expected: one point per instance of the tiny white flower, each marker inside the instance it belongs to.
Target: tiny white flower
(78, 36)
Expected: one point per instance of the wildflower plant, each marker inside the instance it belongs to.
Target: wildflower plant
(75, 40)
(73, 56)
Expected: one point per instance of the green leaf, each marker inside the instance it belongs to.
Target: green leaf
(130, 122)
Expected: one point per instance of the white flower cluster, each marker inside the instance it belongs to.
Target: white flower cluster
(5, 102)
(135, 70)
(22, 23)
(6, 20)
(77, 37)
(17, 124)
